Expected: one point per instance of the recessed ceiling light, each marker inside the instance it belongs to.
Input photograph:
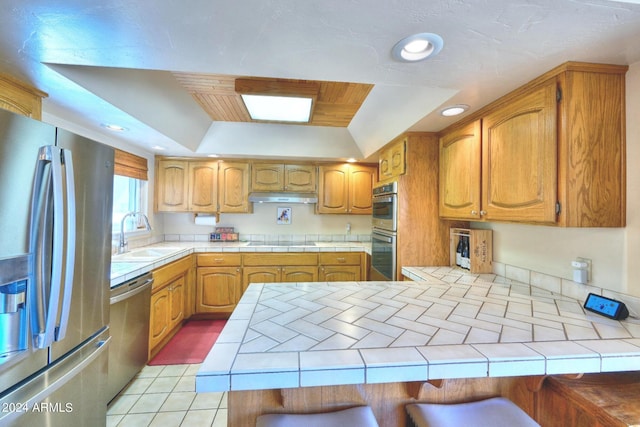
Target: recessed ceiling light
(115, 128)
(417, 47)
(212, 155)
(159, 148)
(351, 160)
(278, 108)
(454, 110)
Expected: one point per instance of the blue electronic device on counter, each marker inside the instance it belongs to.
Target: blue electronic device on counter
(606, 307)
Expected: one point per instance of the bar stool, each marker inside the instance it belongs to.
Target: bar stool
(496, 411)
(360, 416)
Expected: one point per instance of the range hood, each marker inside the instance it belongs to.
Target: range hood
(283, 197)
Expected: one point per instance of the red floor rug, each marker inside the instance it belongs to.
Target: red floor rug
(191, 344)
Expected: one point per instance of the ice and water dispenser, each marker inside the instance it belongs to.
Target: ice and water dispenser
(14, 328)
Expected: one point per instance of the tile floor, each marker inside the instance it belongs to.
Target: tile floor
(166, 396)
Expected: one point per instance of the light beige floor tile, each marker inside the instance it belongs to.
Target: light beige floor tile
(192, 369)
(221, 418)
(223, 401)
(168, 419)
(202, 417)
(186, 383)
(122, 404)
(113, 420)
(207, 401)
(150, 402)
(163, 385)
(178, 401)
(137, 420)
(137, 386)
(173, 371)
(150, 371)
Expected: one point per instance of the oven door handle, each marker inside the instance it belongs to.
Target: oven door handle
(387, 239)
(383, 199)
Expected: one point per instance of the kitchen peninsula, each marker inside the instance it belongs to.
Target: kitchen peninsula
(310, 347)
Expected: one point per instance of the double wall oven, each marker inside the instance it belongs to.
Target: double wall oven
(383, 235)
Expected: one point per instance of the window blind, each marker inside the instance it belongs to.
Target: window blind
(127, 164)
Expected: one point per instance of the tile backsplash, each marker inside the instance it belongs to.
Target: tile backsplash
(562, 286)
(275, 237)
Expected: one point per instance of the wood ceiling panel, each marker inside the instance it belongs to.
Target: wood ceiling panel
(336, 103)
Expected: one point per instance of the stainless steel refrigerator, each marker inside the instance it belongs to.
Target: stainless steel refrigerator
(56, 191)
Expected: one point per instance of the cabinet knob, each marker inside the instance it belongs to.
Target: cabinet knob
(483, 213)
(474, 212)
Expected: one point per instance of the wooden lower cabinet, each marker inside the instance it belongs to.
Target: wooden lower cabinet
(595, 400)
(341, 267)
(272, 268)
(218, 289)
(169, 295)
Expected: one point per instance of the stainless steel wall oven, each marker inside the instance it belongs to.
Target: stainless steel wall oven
(383, 235)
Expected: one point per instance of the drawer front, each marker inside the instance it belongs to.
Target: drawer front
(163, 275)
(280, 259)
(340, 258)
(219, 259)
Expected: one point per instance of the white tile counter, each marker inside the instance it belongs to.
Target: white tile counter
(128, 265)
(466, 326)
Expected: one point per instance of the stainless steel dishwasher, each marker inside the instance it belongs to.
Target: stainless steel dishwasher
(129, 324)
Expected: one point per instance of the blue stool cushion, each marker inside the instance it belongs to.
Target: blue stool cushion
(494, 412)
(361, 416)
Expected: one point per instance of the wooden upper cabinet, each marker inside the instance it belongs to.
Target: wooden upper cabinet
(20, 98)
(519, 158)
(552, 152)
(346, 188)
(203, 186)
(172, 185)
(300, 178)
(392, 161)
(233, 187)
(361, 181)
(460, 161)
(281, 177)
(186, 186)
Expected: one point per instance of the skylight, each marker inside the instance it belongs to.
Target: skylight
(278, 108)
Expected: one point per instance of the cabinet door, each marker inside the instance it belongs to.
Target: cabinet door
(333, 189)
(299, 273)
(172, 186)
(267, 177)
(397, 158)
(260, 274)
(233, 187)
(218, 289)
(384, 164)
(300, 178)
(160, 313)
(460, 159)
(176, 299)
(361, 180)
(203, 186)
(519, 159)
(340, 273)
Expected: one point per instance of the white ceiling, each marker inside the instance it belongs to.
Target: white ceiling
(110, 62)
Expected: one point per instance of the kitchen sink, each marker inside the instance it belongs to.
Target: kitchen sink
(145, 254)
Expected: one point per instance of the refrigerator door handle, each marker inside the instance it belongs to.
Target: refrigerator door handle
(52, 187)
(69, 240)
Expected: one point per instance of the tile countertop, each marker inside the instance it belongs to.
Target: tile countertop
(467, 326)
(131, 264)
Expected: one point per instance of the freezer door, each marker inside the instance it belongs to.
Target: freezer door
(20, 141)
(68, 393)
(93, 170)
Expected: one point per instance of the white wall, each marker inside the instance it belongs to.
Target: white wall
(615, 253)
(263, 221)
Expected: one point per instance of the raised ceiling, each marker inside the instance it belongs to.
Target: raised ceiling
(116, 61)
(336, 104)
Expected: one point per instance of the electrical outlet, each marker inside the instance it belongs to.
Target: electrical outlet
(348, 228)
(581, 270)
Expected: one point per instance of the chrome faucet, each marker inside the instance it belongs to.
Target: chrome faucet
(123, 244)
